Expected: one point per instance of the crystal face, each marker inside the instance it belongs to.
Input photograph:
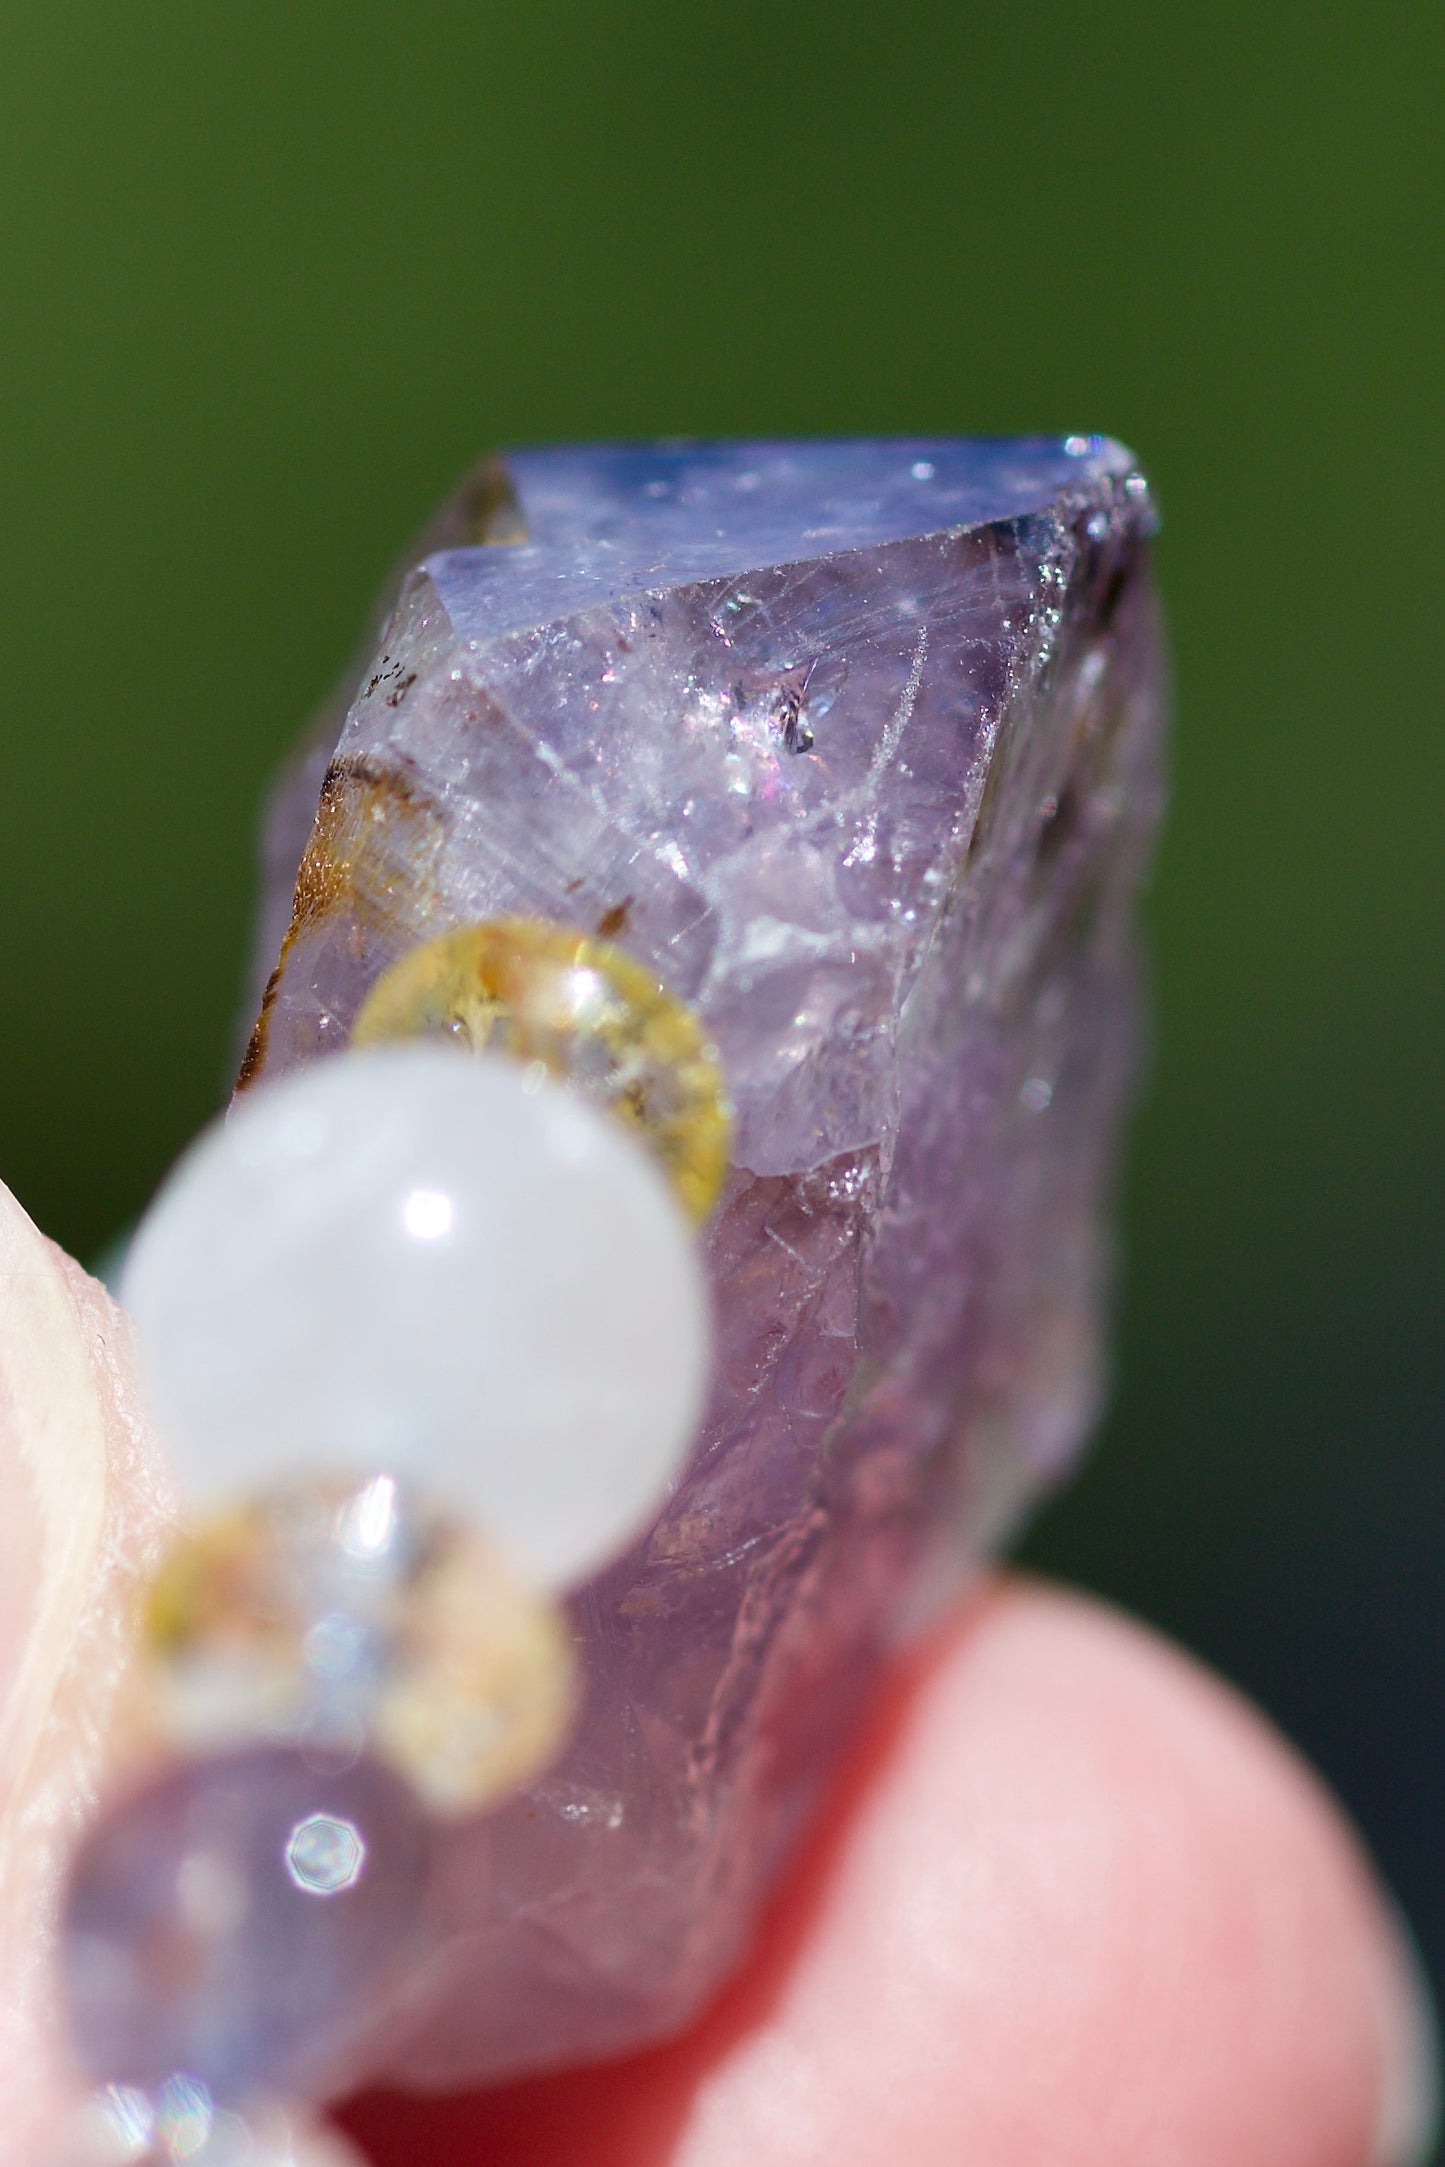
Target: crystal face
(855, 748)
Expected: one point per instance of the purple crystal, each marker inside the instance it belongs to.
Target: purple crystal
(857, 744)
(240, 1922)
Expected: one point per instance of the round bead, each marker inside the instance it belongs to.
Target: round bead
(326, 1613)
(593, 1017)
(440, 1268)
(238, 1924)
(126, 2128)
(480, 1689)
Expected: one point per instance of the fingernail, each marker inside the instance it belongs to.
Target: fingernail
(1409, 2117)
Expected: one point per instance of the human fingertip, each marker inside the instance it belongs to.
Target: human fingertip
(1078, 1901)
(52, 1450)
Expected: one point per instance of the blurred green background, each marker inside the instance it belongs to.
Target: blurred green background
(271, 276)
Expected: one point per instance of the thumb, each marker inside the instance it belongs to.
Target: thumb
(84, 1499)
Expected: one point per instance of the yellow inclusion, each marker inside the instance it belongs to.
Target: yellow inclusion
(592, 1016)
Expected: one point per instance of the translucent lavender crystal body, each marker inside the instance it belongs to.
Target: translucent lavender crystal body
(857, 744)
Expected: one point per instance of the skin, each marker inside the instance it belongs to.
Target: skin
(1075, 1903)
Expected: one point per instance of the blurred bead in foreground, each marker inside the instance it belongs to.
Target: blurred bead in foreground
(593, 1017)
(866, 734)
(347, 1618)
(241, 1921)
(441, 1268)
(120, 2127)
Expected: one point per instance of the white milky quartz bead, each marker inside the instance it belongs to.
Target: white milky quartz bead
(433, 1264)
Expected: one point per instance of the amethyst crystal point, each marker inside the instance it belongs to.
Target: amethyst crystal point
(857, 746)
